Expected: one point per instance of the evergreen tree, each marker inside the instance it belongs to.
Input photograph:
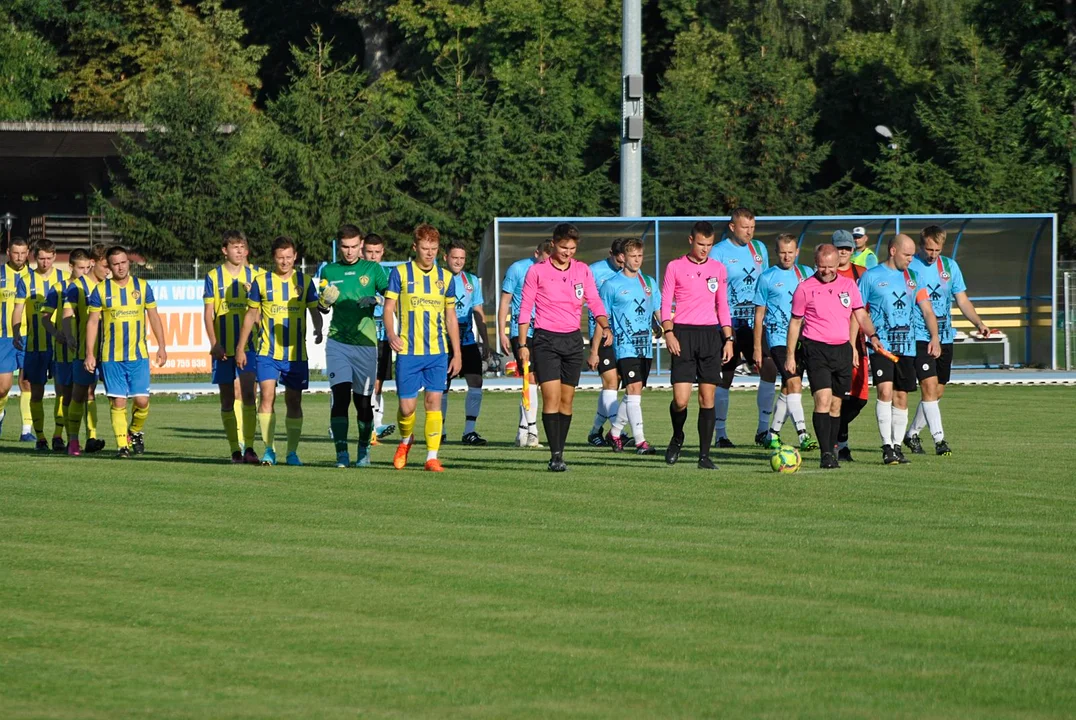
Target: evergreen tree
(29, 68)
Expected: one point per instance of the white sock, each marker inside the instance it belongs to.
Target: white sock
(764, 399)
(472, 407)
(795, 409)
(431, 455)
(920, 420)
(532, 414)
(883, 411)
(621, 419)
(408, 440)
(606, 409)
(27, 429)
(379, 410)
(780, 412)
(721, 412)
(900, 424)
(634, 411)
(933, 415)
(522, 431)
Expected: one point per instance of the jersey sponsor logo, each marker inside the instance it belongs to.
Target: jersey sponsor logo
(579, 291)
(845, 299)
(711, 284)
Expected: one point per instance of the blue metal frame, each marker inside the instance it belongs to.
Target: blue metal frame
(1030, 299)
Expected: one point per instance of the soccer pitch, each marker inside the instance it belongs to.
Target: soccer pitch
(179, 585)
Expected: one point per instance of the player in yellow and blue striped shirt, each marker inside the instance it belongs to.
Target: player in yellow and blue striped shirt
(88, 270)
(422, 297)
(11, 285)
(37, 366)
(18, 261)
(225, 295)
(279, 302)
(124, 304)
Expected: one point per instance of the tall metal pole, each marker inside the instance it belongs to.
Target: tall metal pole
(631, 145)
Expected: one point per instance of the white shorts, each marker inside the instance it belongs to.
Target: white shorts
(355, 364)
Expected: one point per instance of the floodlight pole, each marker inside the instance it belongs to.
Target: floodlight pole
(631, 126)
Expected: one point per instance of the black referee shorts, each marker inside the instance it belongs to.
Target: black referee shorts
(384, 361)
(828, 366)
(557, 356)
(901, 373)
(699, 360)
(779, 354)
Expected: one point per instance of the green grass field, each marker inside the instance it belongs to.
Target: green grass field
(177, 585)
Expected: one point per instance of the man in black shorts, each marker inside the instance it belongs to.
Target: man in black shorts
(608, 407)
(373, 249)
(474, 346)
(700, 340)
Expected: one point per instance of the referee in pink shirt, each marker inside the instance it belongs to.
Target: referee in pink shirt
(555, 289)
(700, 341)
(822, 307)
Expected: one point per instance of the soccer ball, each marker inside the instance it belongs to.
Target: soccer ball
(785, 459)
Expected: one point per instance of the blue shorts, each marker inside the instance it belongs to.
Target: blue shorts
(20, 359)
(63, 372)
(80, 377)
(9, 361)
(126, 379)
(292, 374)
(418, 372)
(225, 371)
(37, 366)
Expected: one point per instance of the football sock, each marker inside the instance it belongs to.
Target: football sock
(679, 420)
(75, 411)
(267, 421)
(37, 417)
(294, 427)
(91, 419)
(237, 413)
(551, 423)
(138, 418)
(634, 405)
(795, 409)
(606, 409)
(920, 420)
(231, 429)
(339, 426)
(565, 423)
(821, 429)
(58, 418)
(532, 414)
(3, 403)
(364, 414)
(900, 424)
(434, 426)
(119, 425)
(933, 414)
(250, 424)
(706, 423)
(407, 426)
(621, 419)
(833, 428)
(721, 411)
(24, 410)
(379, 410)
(884, 412)
(472, 407)
(764, 399)
(780, 412)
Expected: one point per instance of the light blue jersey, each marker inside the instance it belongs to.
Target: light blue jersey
(630, 303)
(745, 264)
(468, 297)
(891, 296)
(942, 280)
(602, 271)
(513, 285)
(773, 291)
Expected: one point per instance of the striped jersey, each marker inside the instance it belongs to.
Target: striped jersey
(10, 282)
(54, 308)
(77, 297)
(283, 303)
(37, 289)
(423, 297)
(227, 294)
(123, 318)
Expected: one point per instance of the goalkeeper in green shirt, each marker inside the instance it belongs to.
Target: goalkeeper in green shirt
(349, 289)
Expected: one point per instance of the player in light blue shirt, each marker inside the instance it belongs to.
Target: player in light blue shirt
(944, 283)
(608, 408)
(773, 312)
(632, 302)
(508, 333)
(745, 259)
(893, 295)
(474, 347)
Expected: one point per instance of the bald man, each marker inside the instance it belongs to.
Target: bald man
(822, 307)
(892, 292)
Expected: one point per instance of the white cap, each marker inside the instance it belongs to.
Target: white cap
(858, 231)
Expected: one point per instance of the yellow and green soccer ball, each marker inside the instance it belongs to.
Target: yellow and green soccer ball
(785, 459)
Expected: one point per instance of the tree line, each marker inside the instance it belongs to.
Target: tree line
(296, 117)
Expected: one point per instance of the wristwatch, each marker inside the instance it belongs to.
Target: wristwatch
(729, 338)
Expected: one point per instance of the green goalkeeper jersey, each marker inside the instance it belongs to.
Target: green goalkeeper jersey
(353, 313)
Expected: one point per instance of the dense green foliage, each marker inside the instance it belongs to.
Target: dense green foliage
(390, 112)
(177, 585)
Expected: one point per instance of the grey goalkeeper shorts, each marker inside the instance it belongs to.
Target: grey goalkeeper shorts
(355, 364)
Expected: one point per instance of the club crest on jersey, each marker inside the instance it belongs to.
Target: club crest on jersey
(945, 275)
(711, 284)
(136, 295)
(467, 284)
(579, 291)
(440, 284)
(845, 299)
(246, 286)
(364, 280)
(756, 256)
(911, 283)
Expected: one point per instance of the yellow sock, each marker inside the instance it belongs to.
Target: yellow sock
(231, 429)
(407, 425)
(138, 418)
(74, 419)
(91, 419)
(249, 424)
(295, 431)
(37, 418)
(58, 417)
(24, 408)
(434, 423)
(3, 403)
(268, 423)
(119, 425)
(238, 421)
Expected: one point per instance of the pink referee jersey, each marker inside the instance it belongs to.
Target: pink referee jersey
(700, 291)
(826, 308)
(557, 296)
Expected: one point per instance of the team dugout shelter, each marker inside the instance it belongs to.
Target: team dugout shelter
(1010, 265)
